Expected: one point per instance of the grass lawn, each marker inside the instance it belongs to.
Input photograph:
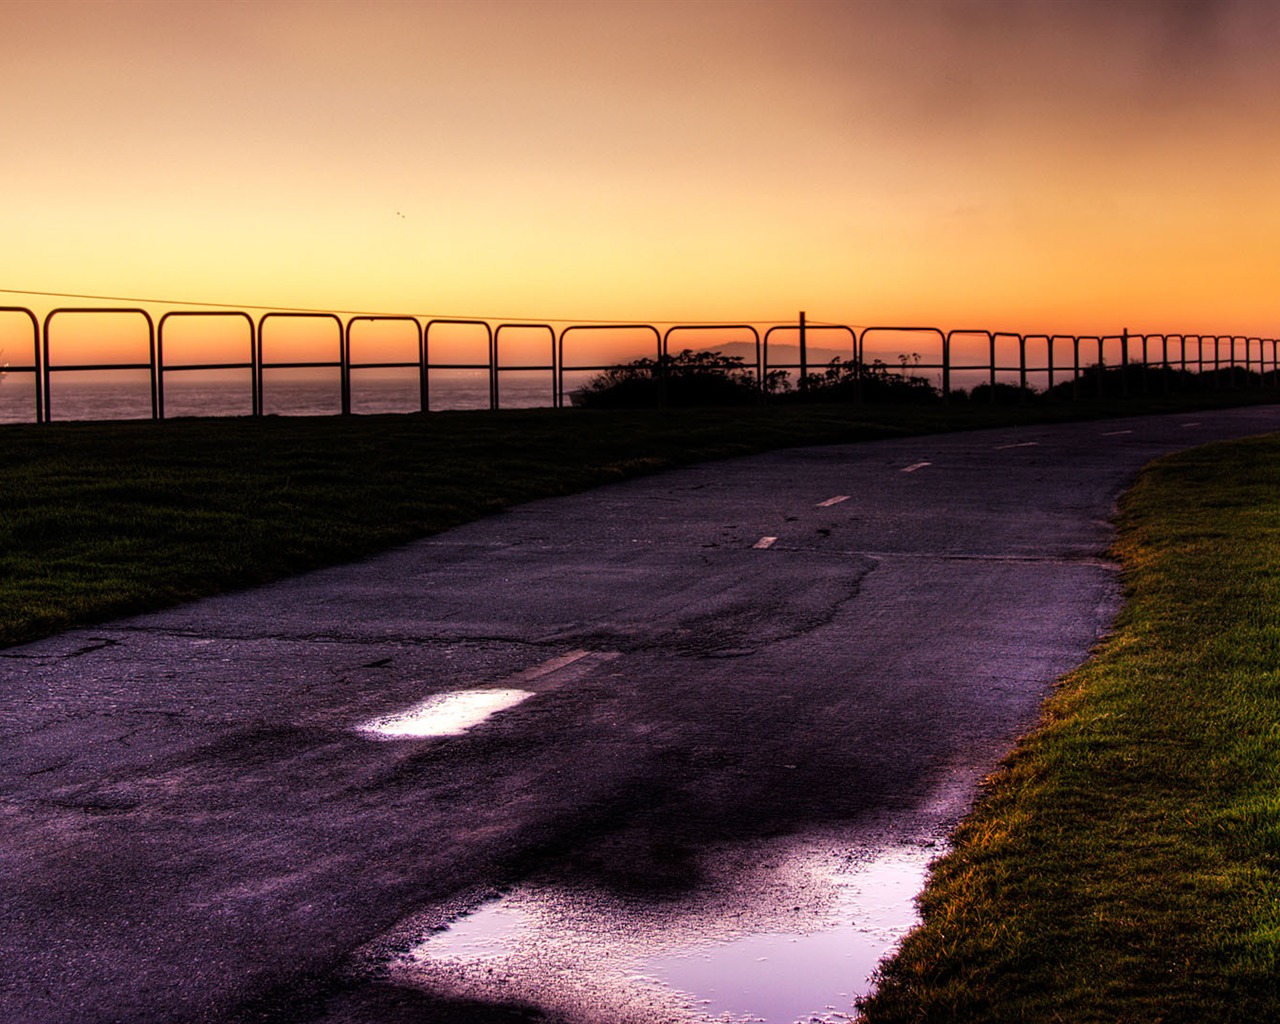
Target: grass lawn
(1124, 863)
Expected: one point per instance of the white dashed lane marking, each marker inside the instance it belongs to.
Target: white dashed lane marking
(553, 665)
(765, 542)
(1020, 444)
(832, 501)
(1116, 433)
(916, 465)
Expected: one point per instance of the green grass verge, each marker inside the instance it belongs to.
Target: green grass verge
(1124, 863)
(103, 519)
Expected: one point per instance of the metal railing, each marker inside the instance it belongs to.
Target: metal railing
(253, 365)
(1053, 358)
(48, 367)
(34, 367)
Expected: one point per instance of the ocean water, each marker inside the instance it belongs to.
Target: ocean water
(125, 394)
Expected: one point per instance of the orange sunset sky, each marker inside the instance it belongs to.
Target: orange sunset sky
(1011, 164)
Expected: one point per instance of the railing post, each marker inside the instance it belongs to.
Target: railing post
(804, 357)
(344, 369)
(1124, 362)
(1022, 368)
(946, 367)
(860, 363)
(422, 367)
(493, 372)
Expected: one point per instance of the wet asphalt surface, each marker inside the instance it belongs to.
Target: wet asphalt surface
(193, 829)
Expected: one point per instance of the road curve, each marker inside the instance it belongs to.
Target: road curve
(834, 640)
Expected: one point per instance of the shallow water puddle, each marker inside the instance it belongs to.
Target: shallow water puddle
(784, 977)
(485, 934)
(727, 961)
(445, 714)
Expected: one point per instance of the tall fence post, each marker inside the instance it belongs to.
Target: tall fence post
(946, 367)
(767, 366)
(804, 356)
(1124, 362)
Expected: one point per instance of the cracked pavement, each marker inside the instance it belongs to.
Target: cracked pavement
(194, 829)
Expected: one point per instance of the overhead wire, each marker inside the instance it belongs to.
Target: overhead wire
(382, 313)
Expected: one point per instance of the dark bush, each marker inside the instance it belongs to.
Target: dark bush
(1135, 379)
(712, 378)
(849, 380)
(688, 379)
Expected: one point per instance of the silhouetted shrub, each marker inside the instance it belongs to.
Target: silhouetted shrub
(1136, 379)
(688, 379)
(712, 378)
(849, 380)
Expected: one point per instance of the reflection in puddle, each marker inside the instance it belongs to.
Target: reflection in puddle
(446, 714)
(487, 933)
(784, 977)
(807, 957)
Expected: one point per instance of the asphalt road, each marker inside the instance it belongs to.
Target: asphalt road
(192, 828)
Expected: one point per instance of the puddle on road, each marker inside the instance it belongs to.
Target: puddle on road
(783, 977)
(488, 933)
(833, 918)
(445, 714)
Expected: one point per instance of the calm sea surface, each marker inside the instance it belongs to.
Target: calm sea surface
(126, 394)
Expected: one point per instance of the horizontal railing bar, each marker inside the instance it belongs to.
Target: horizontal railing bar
(300, 366)
(57, 367)
(206, 366)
